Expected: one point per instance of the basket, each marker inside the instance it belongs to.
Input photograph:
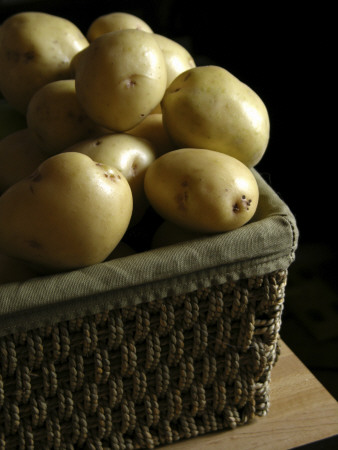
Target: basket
(149, 349)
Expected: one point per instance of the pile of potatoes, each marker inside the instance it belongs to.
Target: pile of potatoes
(117, 122)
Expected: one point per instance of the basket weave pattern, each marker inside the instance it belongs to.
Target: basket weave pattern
(144, 376)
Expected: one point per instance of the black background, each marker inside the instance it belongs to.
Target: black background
(283, 53)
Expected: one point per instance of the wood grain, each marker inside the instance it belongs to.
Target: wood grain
(302, 411)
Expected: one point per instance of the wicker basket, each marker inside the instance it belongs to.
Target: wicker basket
(149, 349)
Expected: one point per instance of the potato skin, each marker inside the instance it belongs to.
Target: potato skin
(56, 118)
(208, 107)
(117, 20)
(120, 78)
(152, 129)
(69, 213)
(35, 48)
(177, 58)
(202, 190)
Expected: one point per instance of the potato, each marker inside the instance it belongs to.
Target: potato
(115, 21)
(131, 155)
(70, 213)
(208, 107)
(19, 157)
(202, 190)
(152, 129)
(120, 78)
(56, 118)
(177, 57)
(35, 48)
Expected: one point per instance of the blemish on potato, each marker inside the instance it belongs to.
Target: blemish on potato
(109, 174)
(246, 203)
(243, 204)
(113, 177)
(29, 56)
(134, 167)
(235, 208)
(130, 83)
(182, 200)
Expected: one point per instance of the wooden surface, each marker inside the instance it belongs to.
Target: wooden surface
(301, 411)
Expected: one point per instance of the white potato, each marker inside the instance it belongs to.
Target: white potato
(56, 118)
(35, 48)
(208, 107)
(114, 21)
(71, 212)
(152, 129)
(177, 58)
(120, 78)
(202, 190)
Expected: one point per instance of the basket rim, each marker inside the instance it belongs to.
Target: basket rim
(266, 244)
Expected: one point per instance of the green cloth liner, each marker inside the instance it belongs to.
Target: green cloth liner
(265, 244)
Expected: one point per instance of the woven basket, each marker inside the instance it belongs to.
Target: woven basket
(91, 359)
